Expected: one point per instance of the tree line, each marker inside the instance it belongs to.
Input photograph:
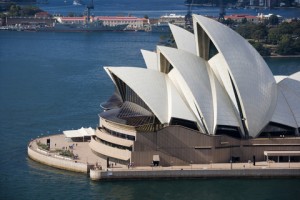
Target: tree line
(267, 38)
(14, 10)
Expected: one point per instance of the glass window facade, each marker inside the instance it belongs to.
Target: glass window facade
(119, 135)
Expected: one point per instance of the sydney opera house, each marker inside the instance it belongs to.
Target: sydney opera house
(211, 99)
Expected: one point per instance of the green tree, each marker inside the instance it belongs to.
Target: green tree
(263, 51)
(259, 34)
(244, 20)
(296, 46)
(229, 22)
(296, 32)
(273, 20)
(285, 28)
(29, 11)
(274, 36)
(285, 45)
(243, 30)
(14, 10)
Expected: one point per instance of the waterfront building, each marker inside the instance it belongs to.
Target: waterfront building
(178, 20)
(240, 17)
(134, 23)
(263, 17)
(21, 21)
(71, 20)
(211, 99)
(42, 14)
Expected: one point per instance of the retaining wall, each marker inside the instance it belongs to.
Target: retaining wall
(160, 174)
(70, 165)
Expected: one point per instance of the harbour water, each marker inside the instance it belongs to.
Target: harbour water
(153, 8)
(51, 82)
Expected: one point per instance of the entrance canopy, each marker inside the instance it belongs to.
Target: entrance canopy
(79, 133)
(156, 158)
(282, 153)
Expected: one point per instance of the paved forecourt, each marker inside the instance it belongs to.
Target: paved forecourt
(88, 160)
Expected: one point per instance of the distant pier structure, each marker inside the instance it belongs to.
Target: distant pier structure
(222, 11)
(188, 17)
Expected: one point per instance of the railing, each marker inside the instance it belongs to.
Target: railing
(143, 128)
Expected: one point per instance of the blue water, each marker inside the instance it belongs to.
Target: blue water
(55, 81)
(152, 8)
(51, 82)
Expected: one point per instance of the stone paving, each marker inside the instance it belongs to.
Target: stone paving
(82, 149)
(85, 155)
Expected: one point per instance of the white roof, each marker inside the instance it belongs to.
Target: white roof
(177, 106)
(150, 59)
(250, 75)
(224, 109)
(217, 64)
(290, 88)
(283, 113)
(194, 83)
(150, 85)
(184, 39)
(279, 78)
(156, 90)
(82, 132)
(233, 85)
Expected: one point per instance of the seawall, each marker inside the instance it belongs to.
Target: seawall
(57, 162)
(87, 162)
(190, 173)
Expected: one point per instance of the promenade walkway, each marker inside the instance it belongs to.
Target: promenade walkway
(81, 149)
(86, 156)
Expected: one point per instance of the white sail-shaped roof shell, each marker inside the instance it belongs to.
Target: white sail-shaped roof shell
(218, 65)
(184, 39)
(194, 82)
(283, 113)
(150, 59)
(156, 90)
(177, 107)
(231, 87)
(150, 85)
(290, 88)
(224, 109)
(250, 75)
(279, 78)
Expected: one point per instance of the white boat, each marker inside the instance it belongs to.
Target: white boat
(77, 3)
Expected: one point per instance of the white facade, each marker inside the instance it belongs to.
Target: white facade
(213, 78)
(178, 20)
(133, 22)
